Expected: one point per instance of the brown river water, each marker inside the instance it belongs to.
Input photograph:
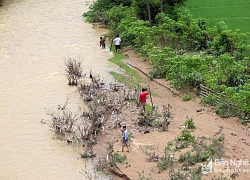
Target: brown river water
(35, 37)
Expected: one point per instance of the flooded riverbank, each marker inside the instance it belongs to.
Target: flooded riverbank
(35, 38)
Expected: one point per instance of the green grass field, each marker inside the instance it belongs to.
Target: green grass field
(235, 13)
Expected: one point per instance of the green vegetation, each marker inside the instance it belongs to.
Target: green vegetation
(88, 153)
(184, 50)
(142, 176)
(117, 60)
(194, 173)
(117, 158)
(149, 108)
(149, 118)
(201, 150)
(167, 160)
(110, 163)
(189, 123)
(235, 14)
(130, 78)
(186, 136)
(154, 119)
(186, 97)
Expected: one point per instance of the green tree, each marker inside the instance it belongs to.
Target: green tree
(242, 98)
(122, 2)
(175, 2)
(146, 10)
(97, 10)
(117, 14)
(228, 41)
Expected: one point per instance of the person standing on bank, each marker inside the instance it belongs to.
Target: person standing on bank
(124, 138)
(117, 41)
(102, 42)
(143, 99)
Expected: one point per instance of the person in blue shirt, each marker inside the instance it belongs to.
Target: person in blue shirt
(124, 138)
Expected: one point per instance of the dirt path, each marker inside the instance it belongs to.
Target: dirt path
(207, 124)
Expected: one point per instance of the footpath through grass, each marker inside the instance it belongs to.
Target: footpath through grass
(235, 13)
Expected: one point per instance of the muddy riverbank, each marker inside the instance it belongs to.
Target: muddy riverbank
(236, 143)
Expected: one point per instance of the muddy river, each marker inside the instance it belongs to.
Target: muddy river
(35, 38)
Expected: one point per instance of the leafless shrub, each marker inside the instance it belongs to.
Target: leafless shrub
(151, 152)
(73, 70)
(83, 127)
(156, 120)
(102, 103)
(89, 175)
(63, 120)
(89, 87)
(165, 117)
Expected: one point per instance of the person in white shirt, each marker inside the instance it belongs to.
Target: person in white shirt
(117, 41)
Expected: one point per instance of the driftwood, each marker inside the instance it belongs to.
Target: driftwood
(121, 175)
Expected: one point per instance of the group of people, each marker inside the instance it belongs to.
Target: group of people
(142, 102)
(117, 42)
(142, 96)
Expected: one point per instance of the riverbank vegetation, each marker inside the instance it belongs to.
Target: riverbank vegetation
(130, 77)
(183, 50)
(83, 126)
(106, 111)
(97, 128)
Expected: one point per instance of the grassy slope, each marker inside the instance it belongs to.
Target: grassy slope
(131, 78)
(235, 13)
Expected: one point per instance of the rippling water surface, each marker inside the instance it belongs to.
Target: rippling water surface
(35, 37)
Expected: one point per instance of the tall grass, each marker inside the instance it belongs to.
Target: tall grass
(235, 13)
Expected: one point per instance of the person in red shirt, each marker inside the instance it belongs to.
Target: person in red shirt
(142, 99)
